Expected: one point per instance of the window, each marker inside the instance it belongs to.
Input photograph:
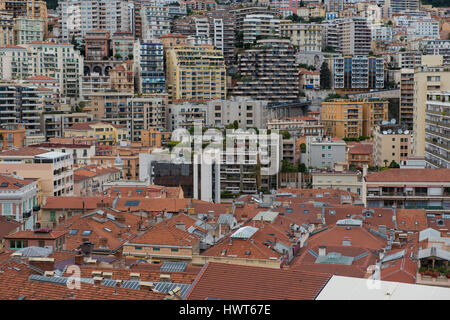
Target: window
(73, 232)
(41, 243)
(6, 209)
(52, 216)
(138, 248)
(86, 233)
(174, 250)
(156, 249)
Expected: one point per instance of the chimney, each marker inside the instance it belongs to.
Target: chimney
(103, 242)
(45, 264)
(79, 259)
(322, 251)
(135, 276)
(146, 285)
(97, 281)
(120, 218)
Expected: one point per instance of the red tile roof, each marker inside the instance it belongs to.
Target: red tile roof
(12, 183)
(89, 203)
(411, 219)
(238, 282)
(7, 225)
(374, 219)
(410, 175)
(40, 77)
(165, 234)
(25, 151)
(361, 148)
(400, 270)
(28, 234)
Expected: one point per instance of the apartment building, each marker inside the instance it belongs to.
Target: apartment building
(200, 5)
(260, 26)
(11, 135)
(406, 97)
(122, 77)
(19, 200)
(122, 44)
(105, 133)
(28, 29)
(408, 189)
(96, 44)
(155, 21)
(437, 47)
(431, 76)
(222, 33)
(357, 73)
(391, 143)
(240, 13)
(7, 27)
(195, 72)
(54, 124)
(149, 66)
(76, 17)
(309, 79)
(81, 153)
(345, 118)
(399, 6)
(145, 112)
(268, 72)
(297, 126)
(305, 36)
(186, 114)
(437, 129)
(349, 36)
(247, 112)
(154, 137)
(59, 61)
(423, 28)
(323, 152)
(350, 181)
(54, 170)
(410, 59)
(360, 154)
(109, 106)
(36, 9)
(21, 104)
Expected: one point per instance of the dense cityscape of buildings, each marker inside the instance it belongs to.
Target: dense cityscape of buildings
(199, 149)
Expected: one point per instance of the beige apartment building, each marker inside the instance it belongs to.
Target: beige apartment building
(431, 76)
(195, 72)
(346, 118)
(391, 143)
(306, 36)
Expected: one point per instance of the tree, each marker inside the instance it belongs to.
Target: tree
(328, 49)
(394, 164)
(303, 148)
(325, 76)
(117, 56)
(130, 56)
(302, 168)
(286, 135)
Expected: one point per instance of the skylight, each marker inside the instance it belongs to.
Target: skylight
(86, 232)
(73, 232)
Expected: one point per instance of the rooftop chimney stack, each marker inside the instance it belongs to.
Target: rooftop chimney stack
(322, 251)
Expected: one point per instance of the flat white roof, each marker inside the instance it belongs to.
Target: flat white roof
(51, 155)
(348, 288)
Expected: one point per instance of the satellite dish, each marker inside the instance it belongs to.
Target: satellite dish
(389, 131)
(406, 131)
(393, 121)
(384, 122)
(384, 132)
(400, 131)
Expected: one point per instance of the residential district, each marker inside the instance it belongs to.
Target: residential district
(335, 179)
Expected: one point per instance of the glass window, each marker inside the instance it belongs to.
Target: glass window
(156, 249)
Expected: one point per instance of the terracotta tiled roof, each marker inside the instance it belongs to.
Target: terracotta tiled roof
(400, 270)
(25, 151)
(151, 205)
(164, 234)
(90, 203)
(40, 77)
(15, 283)
(28, 234)
(370, 219)
(11, 183)
(246, 282)
(410, 175)
(11, 46)
(361, 148)
(7, 225)
(359, 236)
(411, 219)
